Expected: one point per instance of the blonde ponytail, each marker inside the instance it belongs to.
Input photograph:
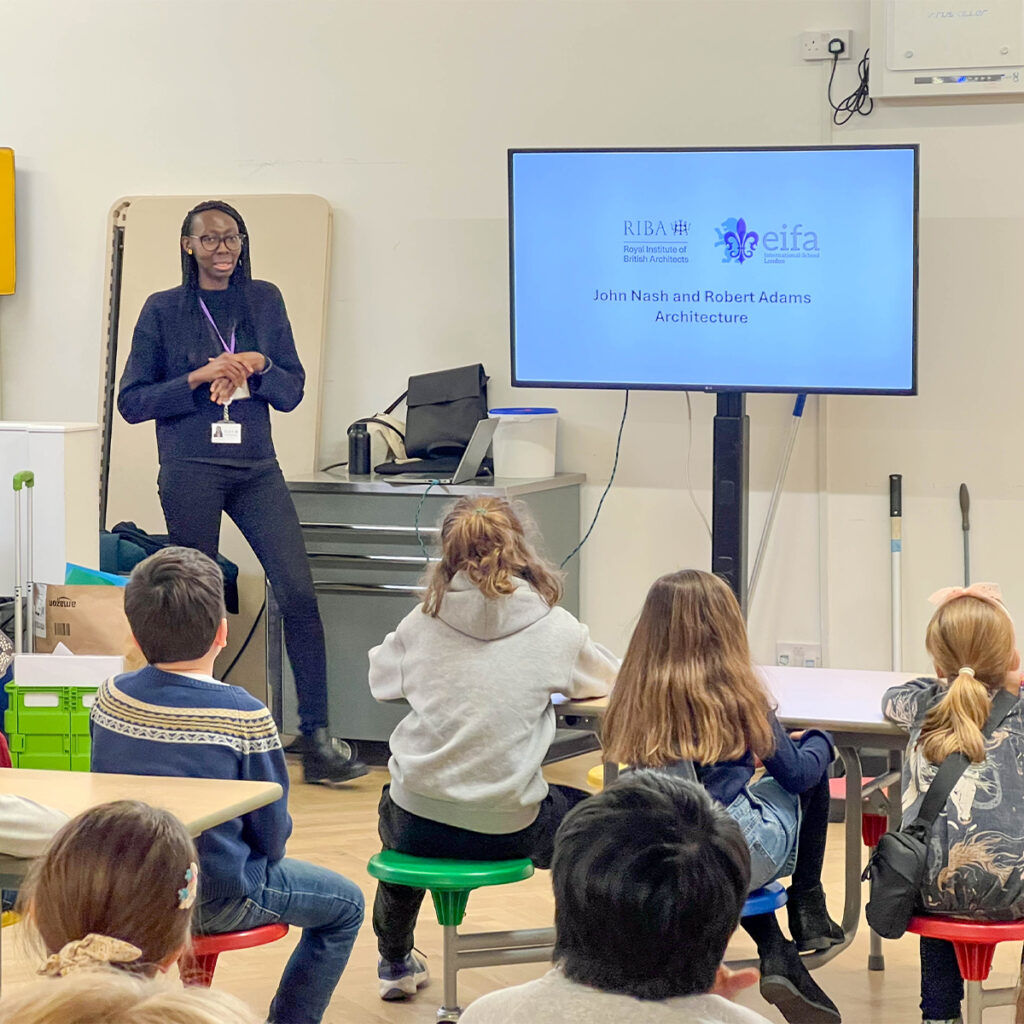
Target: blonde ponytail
(971, 642)
(955, 723)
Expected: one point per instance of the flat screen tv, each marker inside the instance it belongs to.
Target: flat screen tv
(755, 269)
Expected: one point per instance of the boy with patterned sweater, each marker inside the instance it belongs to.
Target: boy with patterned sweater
(174, 718)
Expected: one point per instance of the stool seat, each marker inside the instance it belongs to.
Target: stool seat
(957, 929)
(439, 875)
(204, 945)
(764, 900)
(198, 964)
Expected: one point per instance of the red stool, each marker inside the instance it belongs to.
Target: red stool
(198, 964)
(974, 942)
(872, 824)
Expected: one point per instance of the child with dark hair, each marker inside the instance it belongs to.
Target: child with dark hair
(635, 871)
(478, 663)
(174, 718)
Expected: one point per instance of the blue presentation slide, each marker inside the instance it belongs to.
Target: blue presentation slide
(741, 269)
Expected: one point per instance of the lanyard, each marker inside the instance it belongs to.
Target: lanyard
(227, 348)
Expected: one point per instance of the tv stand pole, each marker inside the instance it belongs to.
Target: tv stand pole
(729, 493)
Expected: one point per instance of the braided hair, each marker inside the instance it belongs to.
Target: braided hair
(238, 283)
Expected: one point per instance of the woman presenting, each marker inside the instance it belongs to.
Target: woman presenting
(208, 360)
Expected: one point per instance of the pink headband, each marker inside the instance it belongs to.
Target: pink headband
(987, 592)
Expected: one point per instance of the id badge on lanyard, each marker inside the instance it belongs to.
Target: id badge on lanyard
(225, 430)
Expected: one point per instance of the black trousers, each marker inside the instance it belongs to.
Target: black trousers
(193, 496)
(942, 987)
(396, 907)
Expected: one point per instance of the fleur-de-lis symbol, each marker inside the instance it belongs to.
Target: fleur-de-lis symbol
(740, 244)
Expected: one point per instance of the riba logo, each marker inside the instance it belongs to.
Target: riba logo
(739, 242)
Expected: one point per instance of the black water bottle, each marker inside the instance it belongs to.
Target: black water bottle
(358, 450)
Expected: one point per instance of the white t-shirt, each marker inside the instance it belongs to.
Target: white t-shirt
(554, 999)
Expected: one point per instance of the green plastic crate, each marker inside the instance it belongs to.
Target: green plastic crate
(48, 726)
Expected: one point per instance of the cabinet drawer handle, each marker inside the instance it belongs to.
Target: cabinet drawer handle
(399, 589)
(407, 561)
(391, 531)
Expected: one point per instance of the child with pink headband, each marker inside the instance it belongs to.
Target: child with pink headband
(976, 852)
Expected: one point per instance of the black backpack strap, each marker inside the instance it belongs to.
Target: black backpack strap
(396, 403)
(956, 764)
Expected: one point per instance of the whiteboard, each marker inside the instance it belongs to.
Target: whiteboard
(290, 246)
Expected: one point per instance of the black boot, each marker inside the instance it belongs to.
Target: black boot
(786, 984)
(321, 763)
(809, 924)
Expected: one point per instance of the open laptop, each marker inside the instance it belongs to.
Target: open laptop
(469, 464)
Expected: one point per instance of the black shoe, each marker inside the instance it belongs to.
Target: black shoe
(322, 764)
(786, 984)
(809, 924)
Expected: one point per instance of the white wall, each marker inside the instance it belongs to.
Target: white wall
(400, 113)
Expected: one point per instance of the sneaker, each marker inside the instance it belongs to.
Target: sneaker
(400, 979)
(786, 984)
(809, 924)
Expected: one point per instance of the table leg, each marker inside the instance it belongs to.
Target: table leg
(851, 909)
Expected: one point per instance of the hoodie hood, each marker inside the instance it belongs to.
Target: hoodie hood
(467, 610)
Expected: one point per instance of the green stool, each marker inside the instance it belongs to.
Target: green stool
(450, 882)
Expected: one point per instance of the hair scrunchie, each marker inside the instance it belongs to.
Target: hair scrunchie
(92, 951)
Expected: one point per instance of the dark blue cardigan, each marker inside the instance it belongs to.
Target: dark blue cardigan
(171, 340)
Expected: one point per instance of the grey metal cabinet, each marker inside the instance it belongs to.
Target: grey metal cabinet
(368, 566)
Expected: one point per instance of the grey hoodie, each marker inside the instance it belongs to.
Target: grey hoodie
(479, 679)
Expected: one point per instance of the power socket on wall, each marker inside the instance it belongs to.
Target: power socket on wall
(798, 655)
(814, 44)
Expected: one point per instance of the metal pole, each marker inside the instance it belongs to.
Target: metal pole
(30, 589)
(965, 523)
(18, 623)
(773, 505)
(896, 553)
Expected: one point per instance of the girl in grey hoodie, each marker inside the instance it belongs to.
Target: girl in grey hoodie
(478, 662)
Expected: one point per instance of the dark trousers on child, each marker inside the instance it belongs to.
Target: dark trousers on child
(193, 496)
(396, 907)
(942, 987)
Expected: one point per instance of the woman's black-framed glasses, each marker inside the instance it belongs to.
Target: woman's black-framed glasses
(211, 242)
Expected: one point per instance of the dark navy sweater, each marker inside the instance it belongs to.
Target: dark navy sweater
(172, 338)
(152, 722)
(797, 765)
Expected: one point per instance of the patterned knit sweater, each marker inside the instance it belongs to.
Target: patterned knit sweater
(153, 722)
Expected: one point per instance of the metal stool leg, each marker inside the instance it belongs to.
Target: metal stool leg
(975, 1002)
(450, 1010)
(876, 961)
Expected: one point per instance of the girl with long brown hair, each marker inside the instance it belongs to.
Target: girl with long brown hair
(115, 888)
(478, 663)
(975, 852)
(688, 700)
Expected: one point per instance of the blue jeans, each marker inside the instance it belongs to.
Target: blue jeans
(329, 910)
(769, 818)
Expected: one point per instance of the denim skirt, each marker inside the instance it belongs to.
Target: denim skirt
(769, 817)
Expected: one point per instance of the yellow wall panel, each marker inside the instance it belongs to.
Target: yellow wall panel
(6, 221)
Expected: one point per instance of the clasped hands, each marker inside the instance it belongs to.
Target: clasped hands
(228, 372)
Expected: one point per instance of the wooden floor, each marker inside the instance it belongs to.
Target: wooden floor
(338, 828)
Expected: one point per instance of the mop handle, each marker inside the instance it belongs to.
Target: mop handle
(965, 522)
(896, 552)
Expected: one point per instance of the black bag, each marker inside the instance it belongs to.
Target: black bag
(443, 410)
(896, 870)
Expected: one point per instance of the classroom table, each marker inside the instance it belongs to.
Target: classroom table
(846, 702)
(198, 803)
